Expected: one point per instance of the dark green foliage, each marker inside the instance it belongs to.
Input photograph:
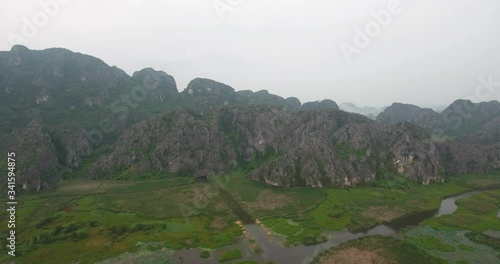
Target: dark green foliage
(484, 239)
(230, 255)
(314, 240)
(205, 254)
(70, 228)
(260, 158)
(46, 221)
(343, 150)
(393, 181)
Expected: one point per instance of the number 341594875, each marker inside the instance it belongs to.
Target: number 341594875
(11, 167)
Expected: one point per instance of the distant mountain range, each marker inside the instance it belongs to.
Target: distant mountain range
(370, 112)
(70, 115)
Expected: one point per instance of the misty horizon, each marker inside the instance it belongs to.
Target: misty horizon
(312, 51)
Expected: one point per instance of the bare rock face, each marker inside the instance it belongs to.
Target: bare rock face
(177, 143)
(359, 153)
(37, 165)
(399, 112)
(55, 102)
(489, 134)
(461, 118)
(460, 158)
(318, 148)
(156, 86)
(322, 105)
(76, 145)
(204, 95)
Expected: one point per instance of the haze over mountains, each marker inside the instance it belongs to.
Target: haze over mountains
(70, 115)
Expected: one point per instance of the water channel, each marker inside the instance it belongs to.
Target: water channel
(303, 254)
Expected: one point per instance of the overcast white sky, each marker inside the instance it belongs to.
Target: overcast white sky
(431, 53)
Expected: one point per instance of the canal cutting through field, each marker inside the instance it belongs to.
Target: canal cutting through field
(273, 250)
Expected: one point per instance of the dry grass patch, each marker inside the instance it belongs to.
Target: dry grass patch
(268, 200)
(355, 256)
(218, 223)
(383, 213)
(90, 186)
(482, 182)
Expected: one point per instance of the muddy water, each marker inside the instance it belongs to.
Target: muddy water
(274, 251)
(303, 254)
(448, 205)
(235, 207)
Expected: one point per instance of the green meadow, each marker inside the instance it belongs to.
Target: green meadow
(455, 238)
(90, 221)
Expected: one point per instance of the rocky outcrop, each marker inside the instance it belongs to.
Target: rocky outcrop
(461, 118)
(459, 158)
(489, 134)
(359, 153)
(203, 95)
(36, 160)
(59, 107)
(320, 105)
(154, 86)
(322, 148)
(399, 112)
(370, 112)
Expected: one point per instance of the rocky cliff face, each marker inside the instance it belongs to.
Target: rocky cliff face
(321, 105)
(460, 158)
(370, 112)
(36, 159)
(63, 111)
(476, 152)
(316, 149)
(355, 153)
(472, 130)
(398, 112)
(461, 118)
(85, 104)
(203, 95)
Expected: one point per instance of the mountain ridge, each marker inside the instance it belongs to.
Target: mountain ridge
(72, 115)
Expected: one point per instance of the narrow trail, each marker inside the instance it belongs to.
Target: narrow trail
(245, 218)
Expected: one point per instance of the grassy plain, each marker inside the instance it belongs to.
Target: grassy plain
(91, 221)
(376, 249)
(453, 238)
(96, 220)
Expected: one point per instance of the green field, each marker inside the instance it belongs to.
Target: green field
(376, 249)
(91, 221)
(454, 238)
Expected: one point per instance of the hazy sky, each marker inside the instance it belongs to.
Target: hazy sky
(428, 53)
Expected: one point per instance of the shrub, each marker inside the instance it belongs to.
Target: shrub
(205, 254)
(231, 255)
